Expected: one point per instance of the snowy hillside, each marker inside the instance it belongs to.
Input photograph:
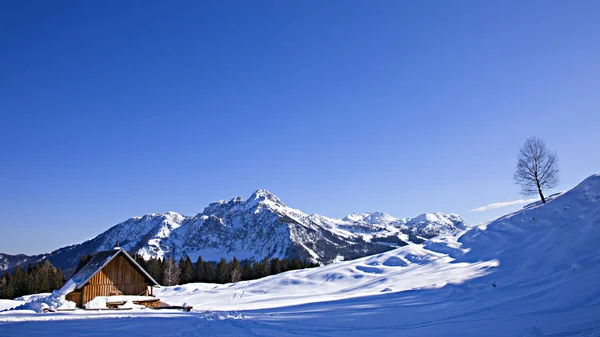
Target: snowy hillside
(10, 261)
(262, 226)
(531, 273)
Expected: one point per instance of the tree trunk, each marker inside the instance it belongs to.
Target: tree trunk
(540, 190)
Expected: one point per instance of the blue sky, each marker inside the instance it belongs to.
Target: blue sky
(114, 109)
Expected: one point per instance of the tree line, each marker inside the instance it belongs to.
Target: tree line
(44, 277)
(39, 278)
(169, 272)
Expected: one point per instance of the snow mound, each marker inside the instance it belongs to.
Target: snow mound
(55, 301)
(96, 303)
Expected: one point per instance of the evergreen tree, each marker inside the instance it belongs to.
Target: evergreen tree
(140, 260)
(275, 266)
(266, 267)
(3, 286)
(235, 271)
(47, 274)
(256, 270)
(19, 277)
(222, 271)
(180, 266)
(187, 270)
(155, 269)
(246, 271)
(200, 271)
(58, 279)
(37, 278)
(285, 264)
(297, 264)
(9, 292)
(210, 272)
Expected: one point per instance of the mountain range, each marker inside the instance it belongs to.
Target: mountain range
(261, 226)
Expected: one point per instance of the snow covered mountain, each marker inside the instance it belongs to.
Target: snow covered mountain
(262, 226)
(10, 261)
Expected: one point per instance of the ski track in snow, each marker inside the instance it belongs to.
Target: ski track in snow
(515, 277)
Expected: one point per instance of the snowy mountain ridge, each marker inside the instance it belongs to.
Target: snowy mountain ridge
(8, 261)
(262, 226)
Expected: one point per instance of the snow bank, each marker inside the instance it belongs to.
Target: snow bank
(101, 302)
(9, 304)
(56, 300)
(32, 297)
(409, 267)
(96, 303)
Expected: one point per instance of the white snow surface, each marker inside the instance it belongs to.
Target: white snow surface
(534, 272)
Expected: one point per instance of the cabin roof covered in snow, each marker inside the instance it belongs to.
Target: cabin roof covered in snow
(99, 261)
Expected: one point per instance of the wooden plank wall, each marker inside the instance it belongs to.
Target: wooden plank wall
(74, 296)
(116, 278)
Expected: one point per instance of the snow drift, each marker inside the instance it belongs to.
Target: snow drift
(55, 301)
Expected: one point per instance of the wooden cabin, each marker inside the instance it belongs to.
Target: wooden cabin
(110, 273)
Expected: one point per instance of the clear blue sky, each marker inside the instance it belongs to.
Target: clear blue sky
(110, 109)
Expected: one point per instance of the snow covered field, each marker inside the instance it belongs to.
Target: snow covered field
(535, 272)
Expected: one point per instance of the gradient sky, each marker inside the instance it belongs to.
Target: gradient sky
(111, 109)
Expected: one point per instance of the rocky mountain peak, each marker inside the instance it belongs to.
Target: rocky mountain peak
(265, 195)
(262, 226)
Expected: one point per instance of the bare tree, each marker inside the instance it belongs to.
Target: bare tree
(537, 168)
(171, 272)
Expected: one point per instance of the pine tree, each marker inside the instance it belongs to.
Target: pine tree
(235, 271)
(180, 265)
(200, 271)
(140, 260)
(297, 264)
(285, 264)
(266, 267)
(222, 271)
(3, 286)
(256, 270)
(275, 266)
(47, 273)
(59, 279)
(37, 279)
(9, 291)
(210, 272)
(187, 270)
(154, 268)
(19, 277)
(246, 271)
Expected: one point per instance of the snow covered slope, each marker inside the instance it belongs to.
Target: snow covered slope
(538, 248)
(10, 261)
(262, 226)
(534, 272)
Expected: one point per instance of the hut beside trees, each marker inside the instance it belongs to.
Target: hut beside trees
(110, 273)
